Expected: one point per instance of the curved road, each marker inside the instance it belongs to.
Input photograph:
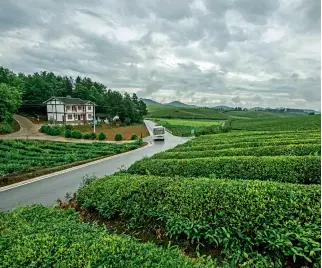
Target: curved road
(46, 191)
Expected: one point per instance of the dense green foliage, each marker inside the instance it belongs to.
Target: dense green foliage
(25, 155)
(260, 114)
(76, 134)
(293, 149)
(295, 169)
(161, 111)
(118, 137)
(102, 136)
(10, 100)
(308, 122)
(134, 137)
(38, 87)
(258, 223)
(48, 237)
(52, 131)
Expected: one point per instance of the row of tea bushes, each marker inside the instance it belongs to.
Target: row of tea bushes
(48, 237)
(295, 169)
(253, 222)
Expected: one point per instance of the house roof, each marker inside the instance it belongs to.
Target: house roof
(69, 100)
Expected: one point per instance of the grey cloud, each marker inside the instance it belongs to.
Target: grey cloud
(197, 52)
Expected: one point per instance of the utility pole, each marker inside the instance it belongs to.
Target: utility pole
(94, 116)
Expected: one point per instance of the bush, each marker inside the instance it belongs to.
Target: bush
(93, 136)
(5, 128)
(134, 137)
(102, 136)
(44, 128)
(68, 133)
(295, 169)
(69, 127)
(242, 218)
(293, 149)
(52, 131)
(76, 134)
(48, 237)
(86, 136)
(127, 121)
(118, 137)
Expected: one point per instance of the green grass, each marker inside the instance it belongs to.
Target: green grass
(49, 237)
(308, 122)
(22, 156)
(158, 111)
(258, 114)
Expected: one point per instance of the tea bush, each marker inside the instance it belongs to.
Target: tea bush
(47, 237)
(102, 136)
(93, 136)
(134, 137)
(68, 133)
(298, 149)
(295, 169)
(76, 134)
(250, 221)
(86, 136)
(118, 137)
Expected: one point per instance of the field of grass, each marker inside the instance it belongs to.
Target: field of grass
(158, 111)
(308, 122)
(259, 114)
(23, 156)
(183, 127)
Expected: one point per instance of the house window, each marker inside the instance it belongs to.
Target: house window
(70, 116)
(68, 107)
(89, 108)
(89, 116)
(79, 107)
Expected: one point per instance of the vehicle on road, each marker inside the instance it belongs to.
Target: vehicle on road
(158, 133)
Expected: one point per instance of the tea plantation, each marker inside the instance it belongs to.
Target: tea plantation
(22, 156)
(253, 195)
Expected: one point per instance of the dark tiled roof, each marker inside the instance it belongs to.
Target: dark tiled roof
(67, 100)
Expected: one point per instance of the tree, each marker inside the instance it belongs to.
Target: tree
(10, 100)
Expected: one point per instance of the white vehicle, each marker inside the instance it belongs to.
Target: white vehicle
(158, 133)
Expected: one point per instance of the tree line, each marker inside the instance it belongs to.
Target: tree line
(28, 92)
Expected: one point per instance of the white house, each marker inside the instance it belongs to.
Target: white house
(70, 110)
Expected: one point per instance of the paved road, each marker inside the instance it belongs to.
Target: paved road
(47, 191)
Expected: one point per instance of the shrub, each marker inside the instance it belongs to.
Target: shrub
(118, 137)
(86, 136)
(68, 133)
(5, 128)
(93, 136)
(134, 137)
(102, 136)
(76, 134)
(295, 169)
(48, 237)
(52, 131)
(44, 128)
(278, 221)
(127, 121)
(69, 127)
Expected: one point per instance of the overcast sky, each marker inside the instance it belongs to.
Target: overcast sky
(210, 52)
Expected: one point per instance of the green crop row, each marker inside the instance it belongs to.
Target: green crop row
(205, 147)
(48, 237)
(254, 223)
(298, 149)
(295, 169)
(23, 156)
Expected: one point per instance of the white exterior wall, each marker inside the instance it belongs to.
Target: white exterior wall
(52, 109)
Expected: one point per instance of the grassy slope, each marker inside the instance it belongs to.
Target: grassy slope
(259, 114)
(158, 111)
(312, 122)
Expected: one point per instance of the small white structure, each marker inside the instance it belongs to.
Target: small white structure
(70, 110)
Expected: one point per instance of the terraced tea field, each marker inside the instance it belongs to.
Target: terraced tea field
(23, 156)
(254, 196)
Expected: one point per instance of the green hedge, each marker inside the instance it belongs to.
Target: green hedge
(254, 222)
(206, 147)
(48, 237)
(52, 131)
(299, 150)
(295, 169)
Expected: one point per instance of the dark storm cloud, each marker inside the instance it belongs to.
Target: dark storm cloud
(241, 52)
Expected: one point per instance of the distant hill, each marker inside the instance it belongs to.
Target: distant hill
(223, 107)
(150, 102)
(179, 104)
